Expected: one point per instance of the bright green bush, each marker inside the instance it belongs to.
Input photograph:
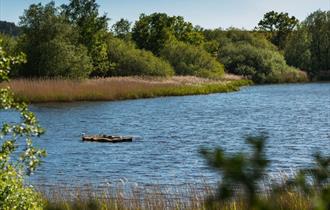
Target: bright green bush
(131, 61)
(14, 195)
(191, 60)
(16, 163)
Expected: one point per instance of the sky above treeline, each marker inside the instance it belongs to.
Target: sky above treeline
(206, 13)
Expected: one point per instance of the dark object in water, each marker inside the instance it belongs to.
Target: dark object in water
(109, 139)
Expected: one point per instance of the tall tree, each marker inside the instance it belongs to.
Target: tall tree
(51, 45)
(298, 49)
(309, 46)
(279, 25)
(151, 32)
(318, 25)
(122, 29)
(92, 29)
(84, 14)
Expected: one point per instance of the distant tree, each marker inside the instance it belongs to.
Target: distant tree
(297, 50)
(279, 25)
(191, 60)
(51, 45)
(9, 28)
(92, 29)
(127, 60)
(308, 47)
(84, 14)
(122, 29)
(252, 55)
(318, 25)
(151, 32)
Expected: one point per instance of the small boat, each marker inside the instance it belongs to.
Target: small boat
(109, 139)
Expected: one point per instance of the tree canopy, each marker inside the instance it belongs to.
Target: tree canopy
(309, 46)
(279, 25)
(51, 45)
(151, 32)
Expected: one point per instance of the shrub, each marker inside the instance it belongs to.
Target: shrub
(16, 163)
(131, 61)
(254, 57)
(62, 59)
(191, 60)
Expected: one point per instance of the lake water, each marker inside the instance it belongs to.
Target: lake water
(169, 132)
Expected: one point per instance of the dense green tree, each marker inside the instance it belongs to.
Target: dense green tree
(122, 29)
(92, 30)
(151, 32)
(318, 25)
(279, 25)
(126, 60)
(191, 60)
(84, 15)
(17, 158)
(51, 45)
(252, 55)
(308, 47)
(297, 50)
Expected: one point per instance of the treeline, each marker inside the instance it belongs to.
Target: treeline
(9, 28)
(75, 41)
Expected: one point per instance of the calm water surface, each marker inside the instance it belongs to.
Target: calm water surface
(170, 131)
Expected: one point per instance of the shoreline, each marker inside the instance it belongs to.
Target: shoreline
(120, 88)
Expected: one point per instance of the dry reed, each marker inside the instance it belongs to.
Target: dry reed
(118, 88)
(161, 197)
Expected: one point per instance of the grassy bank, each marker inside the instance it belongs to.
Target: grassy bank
(119, 88)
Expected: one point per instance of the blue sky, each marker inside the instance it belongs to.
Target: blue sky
(206, 13)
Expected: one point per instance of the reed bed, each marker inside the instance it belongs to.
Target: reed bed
(188, 197)
(118, 88)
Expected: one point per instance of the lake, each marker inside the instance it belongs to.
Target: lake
(170, 131)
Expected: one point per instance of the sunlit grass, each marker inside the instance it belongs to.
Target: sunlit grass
(118, 88)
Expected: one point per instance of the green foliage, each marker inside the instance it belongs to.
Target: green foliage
(14, 163)
(297, 50)
(64, 60)
(84, 15)
(51, 46)
(122, 29)
(131, 61)
(239, 171)
(251, 55)
(318, 25)
(152, 32)
(9, 44)
(191, 60)
(92, 28)
(309, 47)
(279, 25)
(242, 175)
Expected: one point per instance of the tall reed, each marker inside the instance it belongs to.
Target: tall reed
(118, 88)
